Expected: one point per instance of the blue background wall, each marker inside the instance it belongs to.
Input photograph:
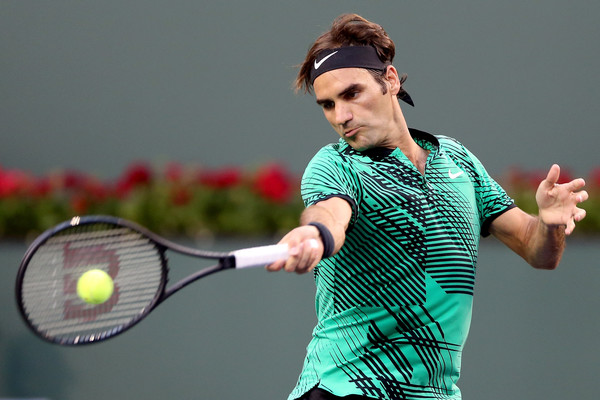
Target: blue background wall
(95, 85)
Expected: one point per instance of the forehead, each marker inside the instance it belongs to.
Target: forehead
(333, 82)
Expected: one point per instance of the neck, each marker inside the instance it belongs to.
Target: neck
(404, 141)
(399, 135)
(418, 156)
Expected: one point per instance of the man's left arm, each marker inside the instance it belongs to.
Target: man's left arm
(540, 240)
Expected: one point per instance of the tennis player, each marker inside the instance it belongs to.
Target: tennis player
(399, 213)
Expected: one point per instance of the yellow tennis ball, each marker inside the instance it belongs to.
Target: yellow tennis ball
(95, 286)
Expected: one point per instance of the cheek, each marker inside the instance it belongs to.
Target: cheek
(329, 116)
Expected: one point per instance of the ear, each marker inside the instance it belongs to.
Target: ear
(393, 80)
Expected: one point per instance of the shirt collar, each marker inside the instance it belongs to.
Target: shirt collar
(425, 140)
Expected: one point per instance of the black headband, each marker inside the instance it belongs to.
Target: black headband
(346, 57)
(350, 57)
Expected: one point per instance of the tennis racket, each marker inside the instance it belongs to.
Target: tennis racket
(133, 257)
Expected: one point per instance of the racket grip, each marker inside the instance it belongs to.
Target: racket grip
(263, 255)
(260, 256)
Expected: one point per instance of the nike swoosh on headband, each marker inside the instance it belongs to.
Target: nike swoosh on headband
(318, 64)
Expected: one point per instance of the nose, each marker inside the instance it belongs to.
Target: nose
(342, 115)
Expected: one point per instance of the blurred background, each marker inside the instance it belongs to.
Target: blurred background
(94, 88)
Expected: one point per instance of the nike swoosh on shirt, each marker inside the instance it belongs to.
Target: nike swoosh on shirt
(318, 64)
(456, 175)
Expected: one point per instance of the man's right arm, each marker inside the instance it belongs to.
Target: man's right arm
(334, 214)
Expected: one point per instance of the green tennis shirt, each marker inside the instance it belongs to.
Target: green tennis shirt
(394, 304)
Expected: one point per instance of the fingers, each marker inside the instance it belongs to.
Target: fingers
(579, 214)
(279, 265)
(305, 251)
(558, 203)
(572, 192)
(276, 266)
(570, 227)
(306, 257)
(555, 189)
(575, 185)
(553, 175)
(581, 196)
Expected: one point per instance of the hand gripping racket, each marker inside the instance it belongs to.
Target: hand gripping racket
(135, 258)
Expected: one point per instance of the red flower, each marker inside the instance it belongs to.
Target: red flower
(517, 178)
(137, 174)
(220, 179)
(42, 187)
(72, 180)
(536, 177)
(274, 183)
(80, 203)
(174, 172)
(180, 196)
(13, 182)
(95, 189)
(595, 177)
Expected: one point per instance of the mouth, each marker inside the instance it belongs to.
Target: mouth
(351, 132)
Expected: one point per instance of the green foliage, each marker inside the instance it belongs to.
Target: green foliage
(175, 202)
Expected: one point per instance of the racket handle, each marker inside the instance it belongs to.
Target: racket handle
(263, 255)
(260, 256)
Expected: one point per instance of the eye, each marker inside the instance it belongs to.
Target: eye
(351, 94)
(327, 105)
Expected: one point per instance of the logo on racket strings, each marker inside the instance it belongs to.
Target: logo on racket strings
(83, 258)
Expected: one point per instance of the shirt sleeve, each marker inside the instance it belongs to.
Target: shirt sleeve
(492, 199)
(330, 174)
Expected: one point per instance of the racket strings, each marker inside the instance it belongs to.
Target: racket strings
(49, 287)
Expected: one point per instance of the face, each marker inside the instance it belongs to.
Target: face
(354, 104)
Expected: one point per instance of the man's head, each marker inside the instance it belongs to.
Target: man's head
(353, 103)
(356, 42)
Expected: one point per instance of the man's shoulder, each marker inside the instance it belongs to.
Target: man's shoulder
(335, 150)
(340, 146)
(435, 139)
(452, 145)
(449, 142)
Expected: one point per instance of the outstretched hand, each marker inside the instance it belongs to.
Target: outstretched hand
(557, 203)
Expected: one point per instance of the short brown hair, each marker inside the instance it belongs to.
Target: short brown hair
(346, 30)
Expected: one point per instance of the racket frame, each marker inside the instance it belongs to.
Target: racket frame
(225, 260)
